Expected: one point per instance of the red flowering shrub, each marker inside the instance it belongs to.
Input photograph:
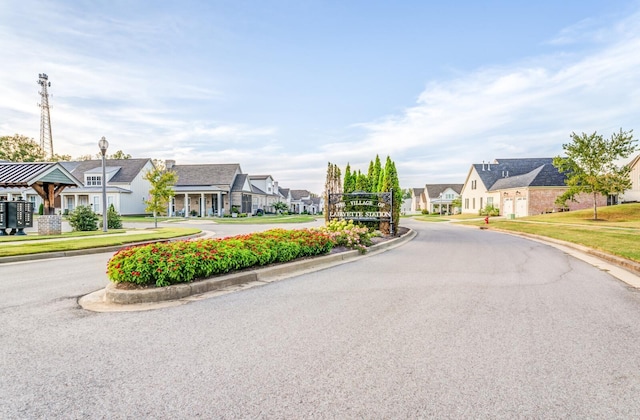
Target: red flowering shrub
(163, 264)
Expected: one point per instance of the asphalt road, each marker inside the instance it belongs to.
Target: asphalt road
(458, 323)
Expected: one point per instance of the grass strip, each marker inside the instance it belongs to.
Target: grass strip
(76, 243)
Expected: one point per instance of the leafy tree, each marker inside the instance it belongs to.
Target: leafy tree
(19, 148)
(82, 218)
(349, 180)
(162, 182)
(280, 207)
(590, 165)
(119, 155)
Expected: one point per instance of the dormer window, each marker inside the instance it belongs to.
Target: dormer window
(93, 180)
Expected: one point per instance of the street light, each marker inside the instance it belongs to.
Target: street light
(104, 144)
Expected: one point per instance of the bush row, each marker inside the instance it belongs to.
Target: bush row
(164, 264)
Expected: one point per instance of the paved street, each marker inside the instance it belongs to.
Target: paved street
(458, 323)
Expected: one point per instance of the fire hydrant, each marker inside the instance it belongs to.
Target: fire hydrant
(486, 220)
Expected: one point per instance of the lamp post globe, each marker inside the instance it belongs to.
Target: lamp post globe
(103, 144)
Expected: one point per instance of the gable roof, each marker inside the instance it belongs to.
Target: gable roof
(417, 192)
(299, 194)
(207, 174)
(491, 172)
(241, 183)
(25, 174)
(542, 176)
(434, 190)
(126, 169)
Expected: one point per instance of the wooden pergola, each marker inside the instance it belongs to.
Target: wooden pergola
(48, 179)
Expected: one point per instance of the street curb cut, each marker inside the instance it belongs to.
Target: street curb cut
(111, 296)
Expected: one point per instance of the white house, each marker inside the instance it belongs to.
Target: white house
(633, 195)
(126, 187)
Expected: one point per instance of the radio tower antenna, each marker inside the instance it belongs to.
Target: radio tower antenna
(46, 139)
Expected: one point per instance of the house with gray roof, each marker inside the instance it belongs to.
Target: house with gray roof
(126, 188)
(518, 187)
(439, 197)
(302, 201)
(208, 189)
(266, 193)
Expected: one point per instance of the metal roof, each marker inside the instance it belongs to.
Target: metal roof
(25, 174)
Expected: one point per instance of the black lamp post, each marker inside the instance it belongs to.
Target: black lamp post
(104, 144)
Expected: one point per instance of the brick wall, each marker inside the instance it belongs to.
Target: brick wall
(543, 201)
(50, 224)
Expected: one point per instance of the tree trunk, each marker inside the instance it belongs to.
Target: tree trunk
(595, 206)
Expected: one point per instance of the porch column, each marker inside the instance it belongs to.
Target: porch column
(219, 197)
(186, 205)
(203, 205)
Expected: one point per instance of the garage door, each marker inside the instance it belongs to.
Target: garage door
(521, 207)
(508, 207)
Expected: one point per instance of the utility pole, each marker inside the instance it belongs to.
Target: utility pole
(46, 139)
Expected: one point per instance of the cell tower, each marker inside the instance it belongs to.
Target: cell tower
(46, 139)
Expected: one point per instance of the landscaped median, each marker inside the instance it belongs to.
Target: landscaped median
(173, 271)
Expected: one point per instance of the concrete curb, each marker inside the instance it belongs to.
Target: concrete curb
(113, 299)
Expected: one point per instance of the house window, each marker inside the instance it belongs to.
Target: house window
(94, 180)
(466, 203)
(474, 203)
(489, 201)
(473, 184)
(480, 202)
(96, 204)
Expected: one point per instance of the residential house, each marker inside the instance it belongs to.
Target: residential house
(418, 200)
(518, 187)
(633, 194)
(265, 193)
(126, 187)
(301, 201)
(440, 197)
(209, 189)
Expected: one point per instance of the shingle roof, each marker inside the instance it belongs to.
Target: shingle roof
(129, 168)
(434, 190)
(238, 184)
(489, 173)
(417, 192)
(212, 174)
(299, 194)
(545, 175)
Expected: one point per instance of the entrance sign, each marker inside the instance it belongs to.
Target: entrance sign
(362, 206)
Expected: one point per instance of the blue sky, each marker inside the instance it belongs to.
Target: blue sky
(283, 87)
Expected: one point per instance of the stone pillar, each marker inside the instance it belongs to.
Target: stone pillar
(50, 224)
(219, 197)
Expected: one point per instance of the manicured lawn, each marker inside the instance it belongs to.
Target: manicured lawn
(68, 242)
(617, 230)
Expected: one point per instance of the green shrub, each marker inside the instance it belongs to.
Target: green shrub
(489, 210)
(425, 211)
(345, 233)
(41, 209)
(163, 264)
(113, 218)
(82, 218)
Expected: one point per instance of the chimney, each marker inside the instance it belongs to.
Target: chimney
(483, 165)
(169, 164)
(488, 166)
